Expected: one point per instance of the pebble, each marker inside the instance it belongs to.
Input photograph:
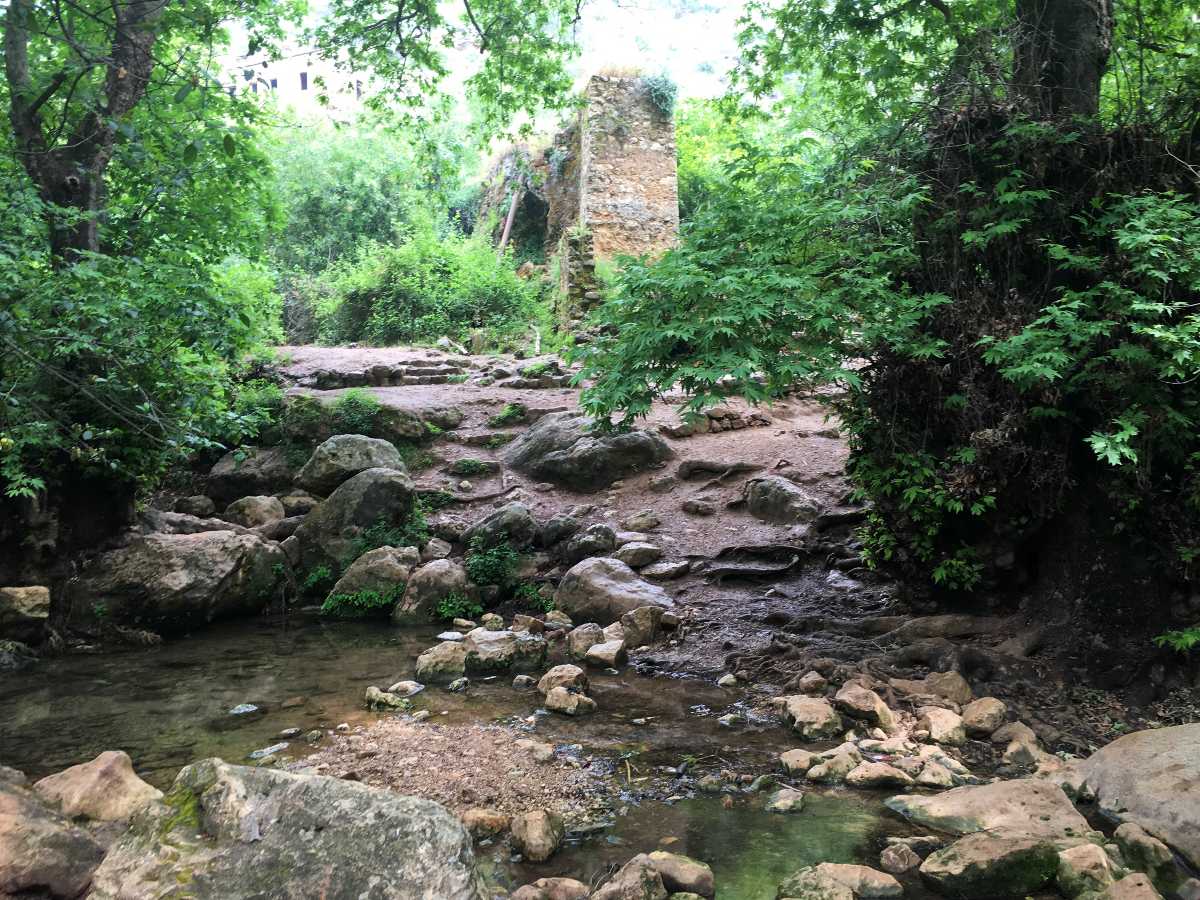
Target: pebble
(243, 709)
(268, 751)
(458, 685)
(343, 728)
(289, 733)
(421, 715)
(727, 680)
(450, 636)
(314, 736)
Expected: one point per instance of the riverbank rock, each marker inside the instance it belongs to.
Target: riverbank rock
(862, 880)
(553, 889)
(778, 500)
(344, 456)
(382, 570)
(562, 448)
(810, 884)
(603, 589)
(595, 540)
(427, 586)
(233, 831)
(943, 726)
(442, 663)
(860, 703)
(569, 703)
(40, 849)
(249, 471)
(1024, 807)
(1084, 869)
(24, 613)
(105, 789)
(568, 676)
(811, 717)
(682, 874)
(638, 879)
(983, 716)
(494, 651)
(537, 834)
(985, 866)
(1152, 778)
(15, 656)
(511, 524)
(582, 637)
(173, 582)
(329, 533)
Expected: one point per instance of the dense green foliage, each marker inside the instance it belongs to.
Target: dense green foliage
(362, 604)
(434, 283)
(492, 566)
(456, 606)
(1007, 331)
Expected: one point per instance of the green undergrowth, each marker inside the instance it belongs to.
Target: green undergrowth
(510, 414)
(456, 606)
(362, 604)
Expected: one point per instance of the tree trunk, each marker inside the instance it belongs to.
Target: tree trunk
(1062, 49)
(70, 176)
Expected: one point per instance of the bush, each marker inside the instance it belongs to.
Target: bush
(355, 412)
(429, 286)
(361, 604)
(662, 92)
(456, 606)
(491, 565)
(527, 596)
(413, 533)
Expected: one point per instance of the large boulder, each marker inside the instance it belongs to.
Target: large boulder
(248, 471)
(1025, 807)
(562, 448)
(329, 533)
(428, 586)
(41, 851)
(250, 512)
(988, 867)
(1152, 778)
(511, 524)
(493, 651)
(382, 570)
(24, 612)
(602, 589)
(106, 789)
(775, 499)
(342, 457)
(174, 582)
(232, 831)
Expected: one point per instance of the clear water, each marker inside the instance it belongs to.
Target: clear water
(170, 705)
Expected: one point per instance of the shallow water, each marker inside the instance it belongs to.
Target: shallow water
(170, 705)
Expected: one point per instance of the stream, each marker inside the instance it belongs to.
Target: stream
(171, 705)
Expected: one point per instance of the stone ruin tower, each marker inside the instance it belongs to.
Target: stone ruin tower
(611, 186)
(606, 186)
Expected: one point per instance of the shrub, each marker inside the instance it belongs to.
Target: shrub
(318, 581)
(527, 596)
(468, 467)
(413, 533)
(429, 286)
(662, 91)
(456, 606)
(491, 565)
(355, 412)
(509, 415)
(1181, 641)
(361, 604)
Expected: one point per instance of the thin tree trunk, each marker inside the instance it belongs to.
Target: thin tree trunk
(1062, 50)
(508, 221)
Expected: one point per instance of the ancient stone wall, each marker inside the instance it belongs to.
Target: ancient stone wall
(630, 197)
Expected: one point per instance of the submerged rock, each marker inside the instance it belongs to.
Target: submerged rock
(231, 831)
(562, 448)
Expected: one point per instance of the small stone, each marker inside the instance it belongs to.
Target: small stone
(798, 762)
(812, 683)
(1084, 869)
(682, 874)
(786, 800)
(492, 622)
(568, 676)
(243, 709)
(452, 636)
(288, 733)
(377, 699)
(898, 859)
(314, 736)
(699, 508)
(877, 775)
(983, 716)
(524, 682)
(268, 751)
(458, 685)
(607, 654)
(727, 680)
(537, 834)
(561, 700)
(421, 715)
(944, 726)
(483, 823)
(406, 688)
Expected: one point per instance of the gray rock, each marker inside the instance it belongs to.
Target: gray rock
(811, 717)
(251, 512)
(426, 587)
(1084, 869)
(607, 654)
(570, 703)
(595, 540)
(810, 884)
(538, 834)
(384, 570)
(562, 448)
(862, 703)
(442, 663)
(581, 638)
(637, 554)
(666, 570)
(174, 582)
(198, 505)
(983, 716)
(558, 529)
(15, 656)
(864, 881)
(372, 497)
(898, 859)
(942, 725)
(1152, 778)
(776, 499)
(40, 849)
(646, 520)
(985, 866)
(343, 456)
(641, 626)
(786, 800)
(24, 612)
(511, 524)
(249, 471)
(604, 589)
(230, 831)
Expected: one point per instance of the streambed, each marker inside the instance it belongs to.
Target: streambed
(170, 705)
